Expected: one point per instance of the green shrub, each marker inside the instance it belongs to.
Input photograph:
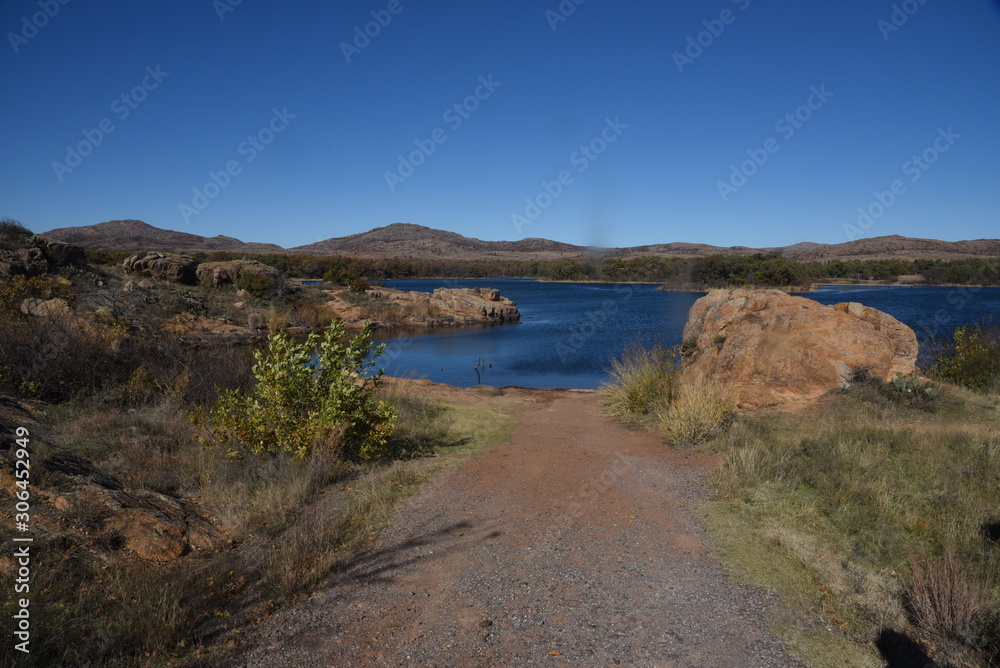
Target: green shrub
(308, 395)
(971, 360)
(256, 284)
(334, 275)
(642, 381)
(359, 285)
(912, 391)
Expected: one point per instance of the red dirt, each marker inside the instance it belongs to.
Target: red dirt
(573, 544)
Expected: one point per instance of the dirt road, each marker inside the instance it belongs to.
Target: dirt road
(573, 545)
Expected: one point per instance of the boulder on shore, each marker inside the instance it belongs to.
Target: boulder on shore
(772, 348)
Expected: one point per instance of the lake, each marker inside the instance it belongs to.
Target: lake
(570, 331)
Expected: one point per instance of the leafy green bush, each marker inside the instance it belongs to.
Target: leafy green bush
(972, 359)
(308, 395)
(256, 284)
(334, 275)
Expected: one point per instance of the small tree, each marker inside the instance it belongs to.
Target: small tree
(308, 395)
(12, 234)
(358, 285)
(972, 359)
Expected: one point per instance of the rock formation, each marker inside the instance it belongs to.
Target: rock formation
(218, 274)
(772, 348)
(483, 304)
(445, 307)
(121, 522)
(45, 307)
(165, 266)
(43, 256)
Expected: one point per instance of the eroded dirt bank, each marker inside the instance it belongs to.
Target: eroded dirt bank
(574, 544)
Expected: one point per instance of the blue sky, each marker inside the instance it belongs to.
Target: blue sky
(124, 110)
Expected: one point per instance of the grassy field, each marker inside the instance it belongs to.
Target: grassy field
(875, 513)
(288, 524)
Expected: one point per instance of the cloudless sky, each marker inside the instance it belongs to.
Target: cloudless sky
(230, 72)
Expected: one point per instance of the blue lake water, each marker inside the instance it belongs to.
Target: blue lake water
(570, 331)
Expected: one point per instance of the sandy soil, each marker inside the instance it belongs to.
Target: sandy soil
(573, 544)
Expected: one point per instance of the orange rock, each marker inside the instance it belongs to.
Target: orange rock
(772, 348)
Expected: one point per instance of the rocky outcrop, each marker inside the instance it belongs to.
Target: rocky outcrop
(151, 526)
(771, 347)
(45, 307)
(59, 254)
(165, 266)
(42, 257)
(77, 501)
(445, 307)
(23, 262)
(481, 304)
(218, 274)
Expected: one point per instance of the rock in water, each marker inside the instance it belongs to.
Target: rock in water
(772, 348)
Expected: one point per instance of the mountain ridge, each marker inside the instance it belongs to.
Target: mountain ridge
(418, 242)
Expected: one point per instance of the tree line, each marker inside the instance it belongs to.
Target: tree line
(760, 269)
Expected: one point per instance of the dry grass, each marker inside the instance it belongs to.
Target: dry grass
(312, 314)
(298, 518)
(643, 382)
(697, 412)
(829, 505)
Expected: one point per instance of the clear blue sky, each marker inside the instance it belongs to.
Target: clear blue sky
(894, 93)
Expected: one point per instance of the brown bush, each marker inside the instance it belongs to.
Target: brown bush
(946, 595)
(312, 314)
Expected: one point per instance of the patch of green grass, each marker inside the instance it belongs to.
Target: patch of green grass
(830, 507)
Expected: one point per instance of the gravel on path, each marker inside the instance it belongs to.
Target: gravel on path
(573, 544)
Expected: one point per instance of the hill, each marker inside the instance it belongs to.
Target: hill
(417, 242)
(135, 235)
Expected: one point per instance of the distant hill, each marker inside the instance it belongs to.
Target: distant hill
(895, 246)
(416, 242)
(135, 235)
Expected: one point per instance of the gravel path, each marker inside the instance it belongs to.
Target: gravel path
(573, 544)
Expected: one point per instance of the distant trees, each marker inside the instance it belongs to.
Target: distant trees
(759, 269)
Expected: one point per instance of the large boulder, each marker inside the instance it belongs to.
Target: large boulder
(45, 307)
(445, 307)
(60, 254)
(218, 274)
(23, 262)
(771, 347)
(484, 304)
(165, 266)
(39, 256)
